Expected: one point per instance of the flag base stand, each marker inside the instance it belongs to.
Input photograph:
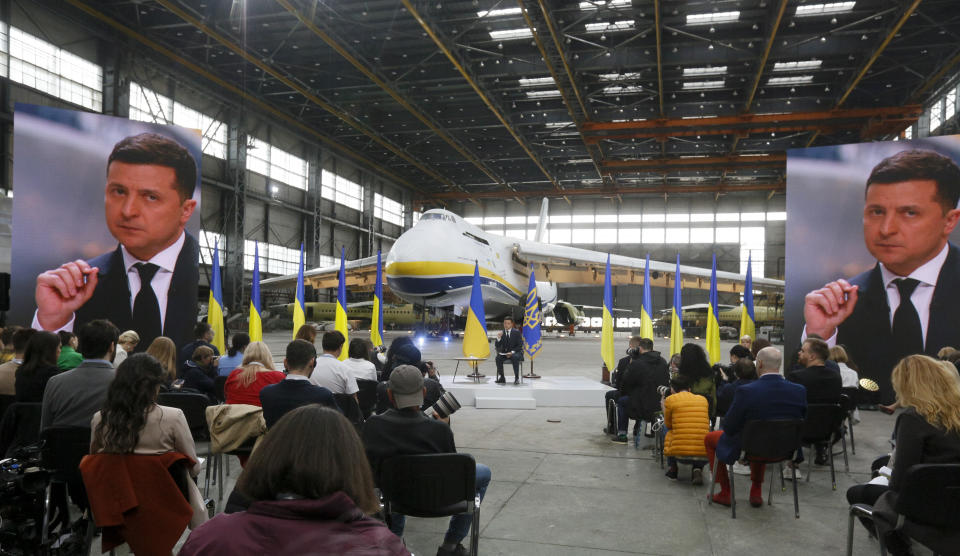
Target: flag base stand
(531, 374)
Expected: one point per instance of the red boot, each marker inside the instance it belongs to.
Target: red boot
(722, 497)
(756, 495)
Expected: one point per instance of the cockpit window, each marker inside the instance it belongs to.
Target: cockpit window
(438, 216)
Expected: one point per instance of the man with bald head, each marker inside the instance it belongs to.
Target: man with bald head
(769, 397)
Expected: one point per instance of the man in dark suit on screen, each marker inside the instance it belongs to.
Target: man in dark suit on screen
(149, 282)
(509, 346)
(910, 301)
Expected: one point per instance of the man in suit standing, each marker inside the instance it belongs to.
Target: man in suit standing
(910, 301)
(509, 346)
(769, 397)
(149, 282)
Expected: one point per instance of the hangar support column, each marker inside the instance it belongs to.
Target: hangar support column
(233, 214)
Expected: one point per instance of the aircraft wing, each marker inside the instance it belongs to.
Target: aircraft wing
(572, 265)
(359, 273)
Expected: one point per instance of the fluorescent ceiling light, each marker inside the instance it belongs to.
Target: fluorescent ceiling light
(597, 4)
(536, 81)
(508, 34)
(618, 76)
(623, 25)
(791, 80)
(499, 13)
(580, 161)
(799, 65)
(824, 9)
(697, 117)
(695, 85)
(708, 70)
(717, 17)
(543, 94)
(558, 124)
(622, 90)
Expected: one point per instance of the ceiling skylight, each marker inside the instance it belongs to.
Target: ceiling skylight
(597, 4)
(558, 124)
(696, 85)
(799, 65)
(499, 13)
(792, 80)
(716, 17)
(509, 34)
(707, 70)
(622, 90)
(623, 25)
(618, 76)
(543, 94)
(824, 9)
(536, 81)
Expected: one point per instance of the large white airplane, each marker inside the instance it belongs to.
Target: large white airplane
(432, 264)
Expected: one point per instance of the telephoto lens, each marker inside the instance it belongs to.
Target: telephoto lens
(445, 406)
(663, 390)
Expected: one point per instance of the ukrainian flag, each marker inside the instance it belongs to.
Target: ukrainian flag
(475, 342)
(256, 325)
(215, 305)
(531, 321)
(299, 312)
(376, 321)
(606, 333)
(713, 325)
(340, 318)
(646, 309)
(676, 322)
(747, 318)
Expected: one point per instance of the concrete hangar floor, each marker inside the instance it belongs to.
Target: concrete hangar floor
(564, 489)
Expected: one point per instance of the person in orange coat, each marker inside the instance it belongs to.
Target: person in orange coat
(687, 418)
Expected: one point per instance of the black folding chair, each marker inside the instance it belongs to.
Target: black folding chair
(432, 485)
(19, 426)
(63, 448)
(766, 442)
(367, 396)
(927, 507)
(824, 425)
(218, 385)
(6, 400)
(350, 408)
(849, 404)
(194, 407)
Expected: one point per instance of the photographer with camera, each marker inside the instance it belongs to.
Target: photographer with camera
(633, 351)
(638, 387)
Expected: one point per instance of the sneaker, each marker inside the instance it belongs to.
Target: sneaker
(672, 473)
(741, 469)
(621, 438)
(789, 476)
(458, 550)
(697, 476)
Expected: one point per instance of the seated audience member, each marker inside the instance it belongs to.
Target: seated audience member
(165, 351)
(674, 364)
(203, 335)
(823, 385)
(768, 397)
(8, 369)
(296, 389)
(126, 344)
(359, 365)
(72, 397)
(311, 497)
(432, 389)
(695, 366)
(307, 332)
(405, 430)
(39, 364)
(746, 341)
(757, 345)
(377, 355)
(849, 377)
(945, 353)
(6, 338)
(744, 372)
(197, 373)
(725, 374)
(245, 382)
(638, 387)
(69, 356)
(330, 372)
(687, 418)
(131, 422)
(927, 431)
(401, 352)
(615, 376)
(234, 356)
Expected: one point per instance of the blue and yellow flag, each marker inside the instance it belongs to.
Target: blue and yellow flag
(606, 333)
(475, 342)
(256, 325)
(531, 320)
(376, 320)
(676, 322)
(646, 309)
(299, 311)
(340, 317)
(215, 305)
(713, 324)
(747, 319)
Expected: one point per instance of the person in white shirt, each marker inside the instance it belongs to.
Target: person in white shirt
(360, 367)
(330, 372)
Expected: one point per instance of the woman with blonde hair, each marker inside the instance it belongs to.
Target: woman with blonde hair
(927, 431)
(257, 370)
(848, 369)
(165, 351)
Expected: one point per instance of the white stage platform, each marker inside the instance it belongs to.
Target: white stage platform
(561, 391)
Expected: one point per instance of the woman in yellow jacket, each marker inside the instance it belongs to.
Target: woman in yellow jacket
(686, 417)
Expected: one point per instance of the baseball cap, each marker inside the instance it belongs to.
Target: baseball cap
(406, 383)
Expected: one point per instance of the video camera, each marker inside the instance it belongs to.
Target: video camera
(23, 485)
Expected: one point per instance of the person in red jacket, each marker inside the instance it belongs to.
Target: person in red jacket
(257, 371)
(312, 493)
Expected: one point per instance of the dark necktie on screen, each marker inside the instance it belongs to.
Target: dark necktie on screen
(907, 333)
(146, 308)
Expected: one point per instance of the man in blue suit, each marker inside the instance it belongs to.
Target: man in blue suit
(769, 397)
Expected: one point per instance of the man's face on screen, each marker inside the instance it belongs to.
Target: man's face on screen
(904, 224)
(143, 207)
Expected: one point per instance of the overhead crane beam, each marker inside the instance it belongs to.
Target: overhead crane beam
(611, 191)
(694, 163)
